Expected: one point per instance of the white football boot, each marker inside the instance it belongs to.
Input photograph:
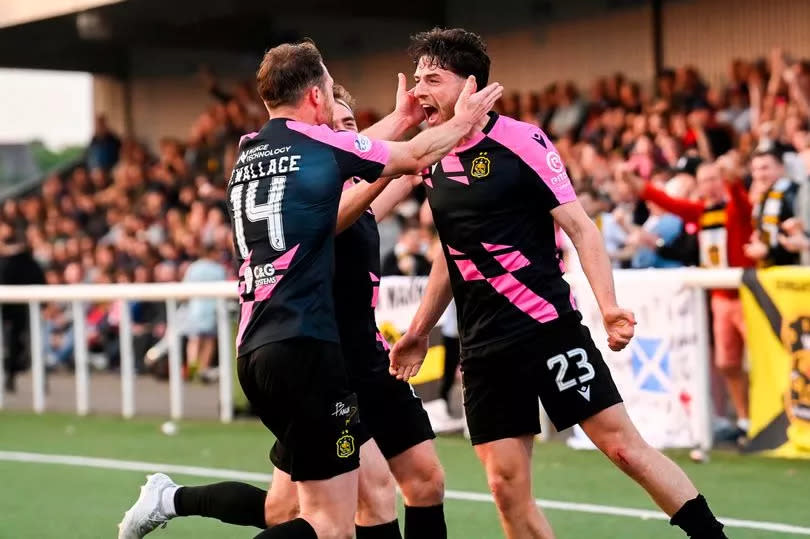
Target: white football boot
(148, 512)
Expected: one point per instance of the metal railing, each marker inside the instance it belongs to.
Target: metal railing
(78, 295)
(171, 293)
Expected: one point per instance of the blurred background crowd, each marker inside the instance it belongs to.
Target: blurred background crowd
(675, 172)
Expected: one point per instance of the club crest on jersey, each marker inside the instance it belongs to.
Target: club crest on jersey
(345, 445)
(480, 166)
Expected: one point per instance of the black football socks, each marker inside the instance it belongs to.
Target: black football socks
(425, 522)
(292, 529)
(380, 531)
(697, 520)
(242, 504)
(231, 502)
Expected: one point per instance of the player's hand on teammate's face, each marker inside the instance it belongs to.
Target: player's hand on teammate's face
(620, 326)
(471, 106)
(407, 106)
(407, 356)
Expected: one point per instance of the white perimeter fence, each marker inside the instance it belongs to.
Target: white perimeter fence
(225, 291)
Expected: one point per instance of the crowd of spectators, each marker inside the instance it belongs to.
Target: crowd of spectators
(689, 174)
(132, 215)
(618, 132)
(649, 162)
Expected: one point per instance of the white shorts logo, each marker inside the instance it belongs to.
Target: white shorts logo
(362, 143)
(554, 162)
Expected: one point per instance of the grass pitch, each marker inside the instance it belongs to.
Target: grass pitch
(61, 501)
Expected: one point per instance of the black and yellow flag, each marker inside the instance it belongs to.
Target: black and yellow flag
(776, 303)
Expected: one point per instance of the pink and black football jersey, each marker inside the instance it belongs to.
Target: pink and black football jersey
(283, 198)
(357, 282)
(491, 200)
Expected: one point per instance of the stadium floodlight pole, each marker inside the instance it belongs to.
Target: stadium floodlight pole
(225, 354)
(175, 361)
(37, 359)
(81, 362)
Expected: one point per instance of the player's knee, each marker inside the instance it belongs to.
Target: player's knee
(627, 453)
(505, 484)
(326, 526)
(425, 486)
(277, 511)
(376, 502)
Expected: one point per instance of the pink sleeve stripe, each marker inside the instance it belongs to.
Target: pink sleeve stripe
(381, 340)
(460, 179)
(495, 247)
(536, 150)
(451, 163)
(512, 261)
(468, 270)
(453, 251)
(348, 141)
(375, 294)
(247, 136)
(244, 319)
(428, 182)
(264, 291)
(523, 298)
(245, 264)
(283, 262)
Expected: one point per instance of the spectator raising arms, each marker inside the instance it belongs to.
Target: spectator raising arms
(776, 198)
(723, 216)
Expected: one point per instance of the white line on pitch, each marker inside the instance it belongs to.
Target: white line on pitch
(643, 514)
(238, 475)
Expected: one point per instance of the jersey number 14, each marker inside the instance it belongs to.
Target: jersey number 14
(269, 212)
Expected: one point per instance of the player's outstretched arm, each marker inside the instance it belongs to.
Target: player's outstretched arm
(430, 146)
(397, 191)
(382, 195)
(355, 200)
(595, 262)
(407, 114)
(409, 352)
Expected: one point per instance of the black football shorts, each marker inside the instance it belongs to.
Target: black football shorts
(299, 389)
(392, 413)
(559, 363)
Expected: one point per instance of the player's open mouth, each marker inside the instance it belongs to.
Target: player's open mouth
(431, 114)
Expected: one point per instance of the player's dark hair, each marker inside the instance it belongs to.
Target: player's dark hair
(772, 151)
(342, 94)
(455, 49)
(288, 71)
